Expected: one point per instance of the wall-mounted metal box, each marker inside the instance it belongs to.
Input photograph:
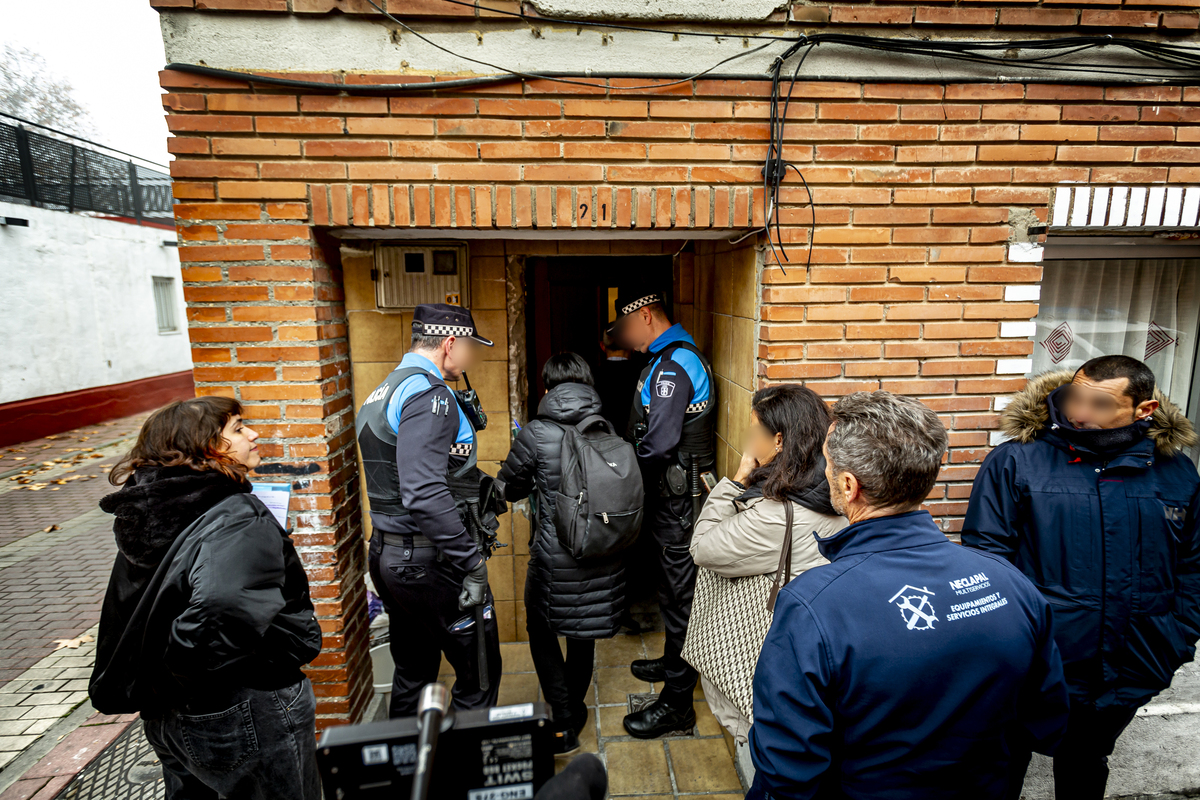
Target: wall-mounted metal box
(407, 275)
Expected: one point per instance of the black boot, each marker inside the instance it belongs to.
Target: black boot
(579, 719)
(565, 741)
(659, 719)
(652, 670)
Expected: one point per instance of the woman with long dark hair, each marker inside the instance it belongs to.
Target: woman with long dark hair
(742, 527)
(207, 619)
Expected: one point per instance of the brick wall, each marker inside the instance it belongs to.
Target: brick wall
(915, 188)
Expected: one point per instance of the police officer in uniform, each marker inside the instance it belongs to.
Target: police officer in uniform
(418, 447)
(671, 424)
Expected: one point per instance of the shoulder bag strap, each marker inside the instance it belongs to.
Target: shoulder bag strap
(785, 559)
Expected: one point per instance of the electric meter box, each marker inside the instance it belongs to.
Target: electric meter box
(407, 275)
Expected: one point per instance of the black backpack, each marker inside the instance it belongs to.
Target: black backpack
(598, 505)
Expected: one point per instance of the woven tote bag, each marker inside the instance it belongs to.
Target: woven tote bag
(729, 621)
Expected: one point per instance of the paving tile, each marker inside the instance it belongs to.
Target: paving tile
(14, 727)
(39, 726)
(619, 651)
(53, 788)
(516, 657)
(703, 765)
(18, 743)
(588, 739)
(46, 699)
(75, 751)
(610, 720)
(23, 789)
(615, 684)
(522, 688)
(637, 767)
(706, 723)
(654, 642)
(47, 712)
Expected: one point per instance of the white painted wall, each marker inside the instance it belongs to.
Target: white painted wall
(77, 304)
(326, 43)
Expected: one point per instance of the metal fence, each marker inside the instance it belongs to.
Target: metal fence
(44, 171)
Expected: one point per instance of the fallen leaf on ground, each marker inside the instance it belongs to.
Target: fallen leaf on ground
(73, 644)
(51, 528)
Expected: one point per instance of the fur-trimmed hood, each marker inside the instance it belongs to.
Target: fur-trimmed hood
(1026, 415)
(157, 503)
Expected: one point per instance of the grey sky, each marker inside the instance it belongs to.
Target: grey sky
(111, 50)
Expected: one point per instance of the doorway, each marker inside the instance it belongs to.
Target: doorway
(569, 304)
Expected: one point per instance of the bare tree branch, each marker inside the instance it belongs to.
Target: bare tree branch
(30, 90)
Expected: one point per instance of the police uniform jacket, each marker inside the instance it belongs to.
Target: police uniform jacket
(410, 487)
(674, 392)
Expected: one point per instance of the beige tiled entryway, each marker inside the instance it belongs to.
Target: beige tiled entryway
(698, 766)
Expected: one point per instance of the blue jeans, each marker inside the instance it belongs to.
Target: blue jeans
(258, 745)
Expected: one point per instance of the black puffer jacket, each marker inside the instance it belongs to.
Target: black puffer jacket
(581, 600)
(207, 595)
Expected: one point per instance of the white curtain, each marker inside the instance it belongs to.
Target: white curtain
(1145, 308)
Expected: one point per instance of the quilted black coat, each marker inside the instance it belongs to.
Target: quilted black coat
(580, 600)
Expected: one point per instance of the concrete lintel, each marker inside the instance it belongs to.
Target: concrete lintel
(289, 43)
(673, 234)
(686, 10)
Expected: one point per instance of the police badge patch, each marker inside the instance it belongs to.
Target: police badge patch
(664, 388)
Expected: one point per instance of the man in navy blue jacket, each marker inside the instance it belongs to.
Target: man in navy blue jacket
(896, 671)
(1095, 502)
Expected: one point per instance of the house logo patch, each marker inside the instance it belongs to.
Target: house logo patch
(916, 609)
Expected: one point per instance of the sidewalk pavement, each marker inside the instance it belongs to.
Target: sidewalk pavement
(56, 552)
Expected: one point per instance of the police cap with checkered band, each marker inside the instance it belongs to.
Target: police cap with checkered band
(630, 300)
(442, 319)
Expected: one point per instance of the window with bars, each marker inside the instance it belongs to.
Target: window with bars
(164, 304)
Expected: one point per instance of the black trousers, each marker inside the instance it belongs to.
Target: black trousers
(420, 594)
(564, 682)
(670, 520)
(1081, 761)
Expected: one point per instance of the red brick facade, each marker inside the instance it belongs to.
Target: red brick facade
(915, 186)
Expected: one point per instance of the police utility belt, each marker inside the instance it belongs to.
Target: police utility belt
(414, 541)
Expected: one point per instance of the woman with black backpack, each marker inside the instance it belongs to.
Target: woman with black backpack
(581, 600)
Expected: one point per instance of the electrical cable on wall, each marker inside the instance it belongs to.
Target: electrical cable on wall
(536, 76)
(1170, 59)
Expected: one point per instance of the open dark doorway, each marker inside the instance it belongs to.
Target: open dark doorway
(569, 301)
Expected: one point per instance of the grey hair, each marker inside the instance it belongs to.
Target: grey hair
(892, 444)
(422, 342)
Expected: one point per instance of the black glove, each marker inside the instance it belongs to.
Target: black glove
(474, 588)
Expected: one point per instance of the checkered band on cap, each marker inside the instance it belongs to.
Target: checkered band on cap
(443, 330)
(641, 302)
